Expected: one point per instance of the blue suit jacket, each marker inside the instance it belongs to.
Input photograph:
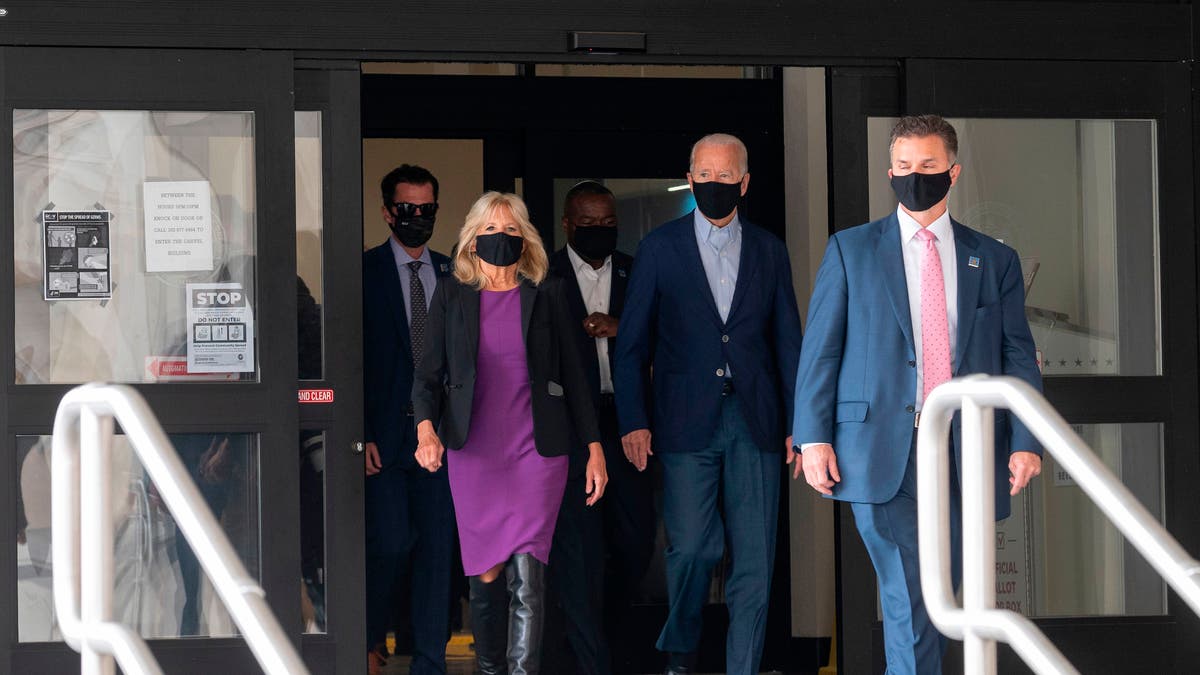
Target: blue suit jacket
(671, 324)
(387, 354)
(857, 377)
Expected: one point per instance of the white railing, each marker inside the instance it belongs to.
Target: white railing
(977, 623)
(82, 536)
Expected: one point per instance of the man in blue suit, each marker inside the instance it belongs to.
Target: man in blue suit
(900, 305)
(409, 515)
(710, 309)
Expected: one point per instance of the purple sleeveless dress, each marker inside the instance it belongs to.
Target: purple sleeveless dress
(506, 495)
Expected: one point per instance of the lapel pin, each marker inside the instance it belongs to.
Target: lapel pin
(973, 261)
(621, 273)
(444, 267)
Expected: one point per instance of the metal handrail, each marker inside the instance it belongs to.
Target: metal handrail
(978, 623)
(82, 536)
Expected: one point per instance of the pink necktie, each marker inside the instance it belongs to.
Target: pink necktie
(935, 331)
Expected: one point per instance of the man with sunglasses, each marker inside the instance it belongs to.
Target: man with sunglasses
(409, 518)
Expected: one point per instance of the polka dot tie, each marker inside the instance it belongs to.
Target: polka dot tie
(416, 324)
(935, 330)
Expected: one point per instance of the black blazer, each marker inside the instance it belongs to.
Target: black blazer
(387, 354)
(444, 383)
(560, 266)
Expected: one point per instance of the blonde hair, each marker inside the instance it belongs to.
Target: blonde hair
(533, 264)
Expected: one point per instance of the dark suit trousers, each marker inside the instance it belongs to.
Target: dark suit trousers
(410, 539)
(911, 642)
(725, 492)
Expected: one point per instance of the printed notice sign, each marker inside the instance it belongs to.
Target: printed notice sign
(220, 329)
(179, 230)
(75, 255)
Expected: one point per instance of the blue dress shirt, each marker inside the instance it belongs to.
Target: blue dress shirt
(426, 273)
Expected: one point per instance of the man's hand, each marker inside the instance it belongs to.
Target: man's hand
(429, 447)
(820, 468)
(1023, 466)
(791, 456)
(637, 447)
(600, 325)
(374, 466)
(596, 475)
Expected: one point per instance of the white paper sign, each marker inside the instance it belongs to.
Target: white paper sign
(179, 234)
(1013, 589)
(220, 329)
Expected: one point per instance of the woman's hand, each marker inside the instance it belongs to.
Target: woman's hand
(596, 477)
(429, 447)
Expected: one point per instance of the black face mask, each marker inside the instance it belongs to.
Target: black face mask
(717, 200)
(412, 232)
(920, 191)
(595, 242)
(499, 248)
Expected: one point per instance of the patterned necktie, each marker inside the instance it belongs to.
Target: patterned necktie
(419, 311)
(935, 331)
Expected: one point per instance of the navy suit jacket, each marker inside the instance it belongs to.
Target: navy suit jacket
(671, 324)
(387, 354)
(857, 378)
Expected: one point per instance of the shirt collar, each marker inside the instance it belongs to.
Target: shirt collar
(403, 258)
(941, 228)
(705, 228)
(582, 265)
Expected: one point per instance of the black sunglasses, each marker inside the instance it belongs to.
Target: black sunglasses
(408, 209)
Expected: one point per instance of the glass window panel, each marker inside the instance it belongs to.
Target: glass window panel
(312, 530)
(1081, 565)
(429, 68)
(310, 218)
(1077, 199)
(652, 71)
(160, 589)
(642, 205)
(203, 231)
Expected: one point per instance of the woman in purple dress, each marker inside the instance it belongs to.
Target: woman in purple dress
(502, 384)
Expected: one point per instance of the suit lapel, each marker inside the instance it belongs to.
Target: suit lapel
(965, 249)
(890, 256)
(616, 291)
(689, 253)
(469, 303)
(564, 269)
(528, 297)
(746, 272)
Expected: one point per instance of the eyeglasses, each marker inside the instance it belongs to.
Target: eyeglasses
(408, 209)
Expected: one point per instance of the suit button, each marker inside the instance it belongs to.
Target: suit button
(724, 338)
(912, 364)
(720, 372)
(909, 408)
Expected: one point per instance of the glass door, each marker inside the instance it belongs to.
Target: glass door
(152, 234)
(1093, 186)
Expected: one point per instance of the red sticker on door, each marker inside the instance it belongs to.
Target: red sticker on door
(316, 395)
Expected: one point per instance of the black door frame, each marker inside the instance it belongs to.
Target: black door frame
(185, 80)
(331, 88)
(1084, 90)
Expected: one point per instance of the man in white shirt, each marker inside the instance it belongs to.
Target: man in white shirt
(621, 527)
(901, 305)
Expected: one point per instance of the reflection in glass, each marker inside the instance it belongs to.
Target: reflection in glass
(1081, 564)
(312, 530)
(160, 589)
(642, 205)
(1077, 199)
(72, 160)
(310, 218)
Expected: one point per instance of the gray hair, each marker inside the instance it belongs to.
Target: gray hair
(723, 139)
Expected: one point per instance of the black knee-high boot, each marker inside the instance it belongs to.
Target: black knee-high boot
(527, 613)
(489, 623)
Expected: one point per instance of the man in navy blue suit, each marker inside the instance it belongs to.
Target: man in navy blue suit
(900, 305)
(711, 310)
(409, 515)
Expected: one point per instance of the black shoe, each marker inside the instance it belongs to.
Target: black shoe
(489, 624)
(680, 664)
(527, 612)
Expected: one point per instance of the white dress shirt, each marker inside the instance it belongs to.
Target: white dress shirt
(595, 285)
(913, 249)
